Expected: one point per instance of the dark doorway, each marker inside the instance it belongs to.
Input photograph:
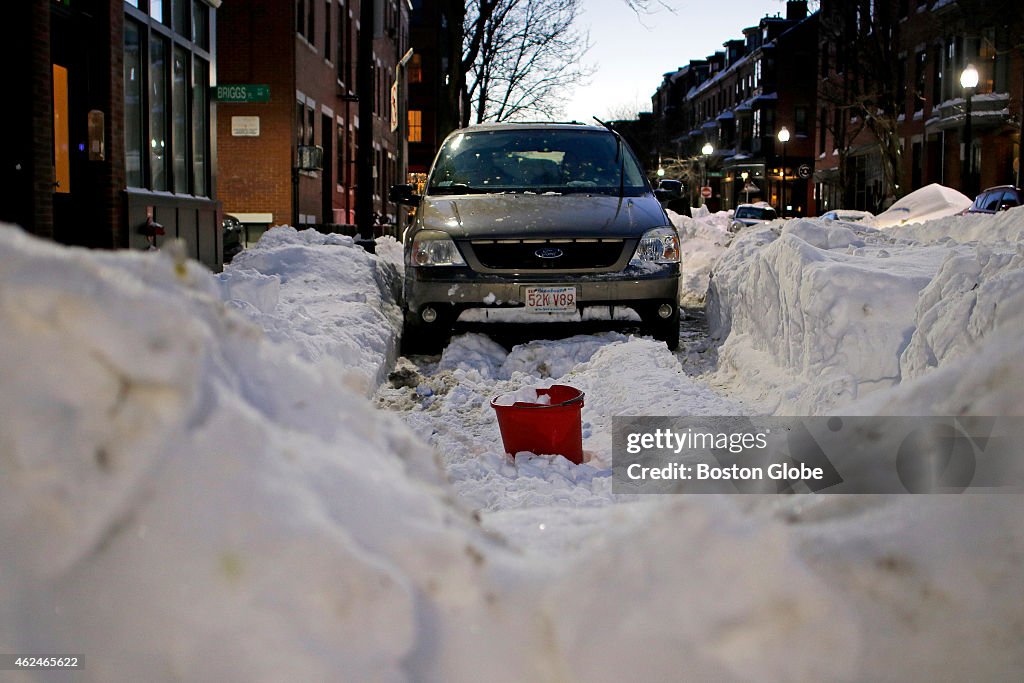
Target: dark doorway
(74, 188)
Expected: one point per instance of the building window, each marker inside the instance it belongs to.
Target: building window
(180, 11)
(328, 36)
(310, 125)
(920, 62)
(800, 121)
(200, 129)
(133, 98)
(166, 97)
(822, 126)
(300, 17)
(342, 155)
(300, 123)
(158, 113)
(901, 87)
(156, 9)
(180, 75)
(311, 23)
(342, 56)
(415, 125)
(416, 68)
(201, 24)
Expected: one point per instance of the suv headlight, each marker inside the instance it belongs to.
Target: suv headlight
(435, 248)
(660, 245)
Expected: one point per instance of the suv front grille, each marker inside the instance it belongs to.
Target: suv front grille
(548, 254)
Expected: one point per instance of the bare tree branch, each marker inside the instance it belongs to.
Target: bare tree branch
(521, 57)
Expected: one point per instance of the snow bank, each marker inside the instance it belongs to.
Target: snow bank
(179, 494)
(702, 240)
(926, 204)
(182, 494)
(184, 491)
(326, 296)
(818, 314)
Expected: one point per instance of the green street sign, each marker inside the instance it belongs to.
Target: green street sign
(241, 93)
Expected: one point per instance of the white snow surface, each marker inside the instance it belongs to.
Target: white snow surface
(702, 240)
(193, 484)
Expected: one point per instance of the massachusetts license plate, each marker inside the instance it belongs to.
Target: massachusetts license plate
(550, 299)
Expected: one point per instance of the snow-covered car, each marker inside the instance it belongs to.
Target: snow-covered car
(548, 218)
(752, 214)
(847, 215)
(925, 204)
(996, 199)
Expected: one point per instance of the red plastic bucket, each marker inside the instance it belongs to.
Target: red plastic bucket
(544, 428)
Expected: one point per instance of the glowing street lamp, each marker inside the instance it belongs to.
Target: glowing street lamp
(783, 138)
(746, 193)
(968, 81)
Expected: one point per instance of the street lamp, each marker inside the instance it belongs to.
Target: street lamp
(707, 150)
(783, 138)
(746, 192)
(968, 81)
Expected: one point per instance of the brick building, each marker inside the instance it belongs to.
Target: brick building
(870, 92)
(305, 51)
(113, 123)
(737, 100)
(907, 90)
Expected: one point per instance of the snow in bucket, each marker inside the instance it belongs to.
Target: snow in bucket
(545, 421)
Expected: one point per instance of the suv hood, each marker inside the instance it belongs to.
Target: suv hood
(541, 215)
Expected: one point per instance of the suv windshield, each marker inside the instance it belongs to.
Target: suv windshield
(764, 214)
(536, 160)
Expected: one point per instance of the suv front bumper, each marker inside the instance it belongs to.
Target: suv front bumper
(461, 288)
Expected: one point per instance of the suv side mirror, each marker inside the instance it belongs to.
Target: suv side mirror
(403, 194)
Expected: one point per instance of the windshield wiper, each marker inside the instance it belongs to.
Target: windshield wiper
(619, 156)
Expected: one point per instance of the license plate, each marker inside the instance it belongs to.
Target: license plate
(550, 299)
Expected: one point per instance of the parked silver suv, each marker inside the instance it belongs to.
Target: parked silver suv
(543, 217)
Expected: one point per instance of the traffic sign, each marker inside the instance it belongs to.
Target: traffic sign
(804, 171)
(705, 192)
(241, 93)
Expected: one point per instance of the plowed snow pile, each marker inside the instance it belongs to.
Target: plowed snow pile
(195, 486)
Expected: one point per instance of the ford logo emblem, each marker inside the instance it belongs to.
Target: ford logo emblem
(549, 252)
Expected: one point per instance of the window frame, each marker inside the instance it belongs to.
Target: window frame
(197, 170)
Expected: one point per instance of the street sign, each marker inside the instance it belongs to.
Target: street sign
(705, 192)
(803, 171)
(241, 93)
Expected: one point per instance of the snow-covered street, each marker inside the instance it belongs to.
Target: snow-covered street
(236, 477)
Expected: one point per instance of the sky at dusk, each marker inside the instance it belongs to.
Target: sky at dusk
(632, 52)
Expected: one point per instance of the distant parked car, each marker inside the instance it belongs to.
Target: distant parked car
(670, 193)
(231, 230)
(996, 199)
(847, 215)
(752, 214)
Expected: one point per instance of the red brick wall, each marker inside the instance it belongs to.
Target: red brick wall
(255, 43)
